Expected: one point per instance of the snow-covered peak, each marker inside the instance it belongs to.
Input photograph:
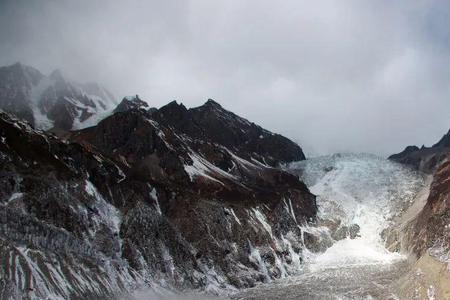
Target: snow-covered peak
(52, 101)
(131, 102)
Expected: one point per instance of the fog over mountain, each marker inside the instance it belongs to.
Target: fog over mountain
(333, 76)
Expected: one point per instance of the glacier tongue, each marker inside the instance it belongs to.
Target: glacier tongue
(359, 189)
(353, 191)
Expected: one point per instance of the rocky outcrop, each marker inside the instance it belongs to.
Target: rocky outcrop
(432, 230)
(425, 159)
(444, 142)
(429, 228)
(148, 197)
(427, 235)
(15, 80)
(132, 102)
(58, 237)
(52, 101)
(214, 123)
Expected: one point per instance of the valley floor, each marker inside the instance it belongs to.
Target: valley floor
(357, 282)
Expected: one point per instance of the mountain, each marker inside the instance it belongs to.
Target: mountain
(52, 101)
(427, 234)
(221, 126)
(173, 197)
(426, 159)
(131, 102)
(444, 142)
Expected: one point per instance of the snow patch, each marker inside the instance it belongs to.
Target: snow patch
(255, 257)
(202, 168)
(431, 293)
(14, 197)
(234, 215)
(154, 195)
(107, 212)
(40, 119)
(121, 173)
(259, 215)
(289, 208)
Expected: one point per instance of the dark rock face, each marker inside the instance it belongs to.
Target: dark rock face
(129, 103)
(424, 159)
(430, 231)
(211, 121)
(148, 196)
(51, 101)
(52, 221)
(444, 142)
(13, 98)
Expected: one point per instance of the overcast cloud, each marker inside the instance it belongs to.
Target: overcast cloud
(361, 76)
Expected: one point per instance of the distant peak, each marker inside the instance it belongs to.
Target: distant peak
(17, 65)
(174, 104)
(212, 103)
(410, 149)
(133, 98)
(93, 85)
(29, 72)
(173, 108)
(57, 75)
(21, 66)
(131, 102)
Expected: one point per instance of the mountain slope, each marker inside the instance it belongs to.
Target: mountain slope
(428, 234)
(213, 122)
(426, 159)
(138, 201)
(51, 101)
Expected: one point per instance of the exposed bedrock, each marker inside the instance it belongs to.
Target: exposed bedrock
(173, 197)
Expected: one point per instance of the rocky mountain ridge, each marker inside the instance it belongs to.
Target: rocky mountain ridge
(425, 159)
(52, 101)
(174, 197)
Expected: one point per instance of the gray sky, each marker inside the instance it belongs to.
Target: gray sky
(362, 76)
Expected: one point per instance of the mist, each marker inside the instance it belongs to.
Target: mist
(334, 76)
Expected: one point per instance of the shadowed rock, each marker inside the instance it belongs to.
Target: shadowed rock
(148, 194)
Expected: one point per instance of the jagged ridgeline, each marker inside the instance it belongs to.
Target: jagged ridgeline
(174, 197)
(52, 101)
